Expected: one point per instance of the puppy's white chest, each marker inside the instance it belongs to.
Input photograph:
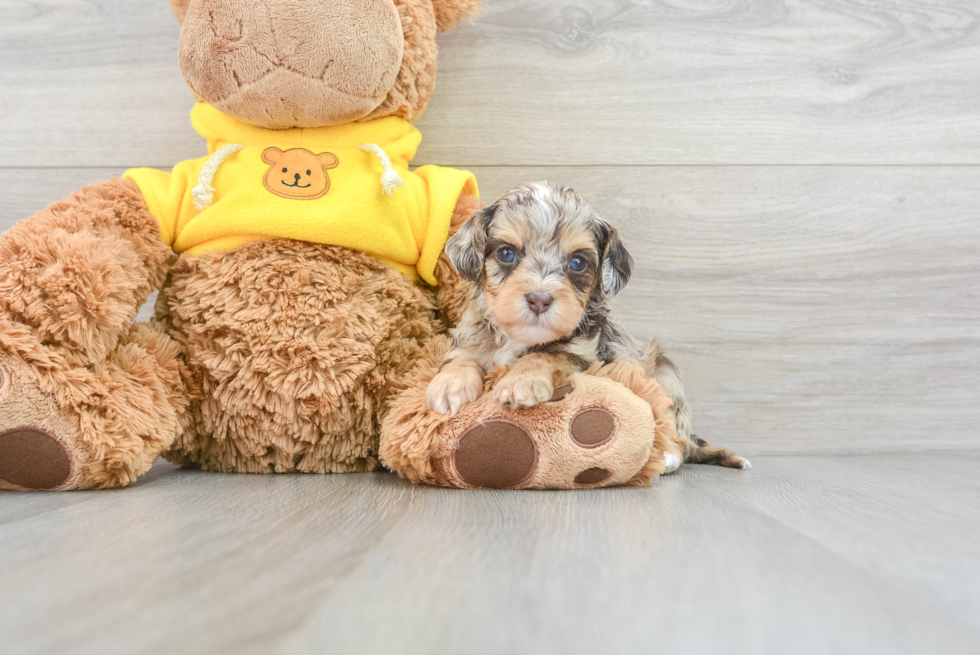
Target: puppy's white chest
(507, 355)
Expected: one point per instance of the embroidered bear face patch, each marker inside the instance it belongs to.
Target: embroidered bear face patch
(298, 174)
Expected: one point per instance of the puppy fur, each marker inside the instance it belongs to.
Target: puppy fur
(544, 265)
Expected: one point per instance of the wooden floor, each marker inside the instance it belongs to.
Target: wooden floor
(800, 183)
(808, 554)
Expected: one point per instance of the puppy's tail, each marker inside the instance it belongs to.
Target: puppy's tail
(696, 450)
(703, 453)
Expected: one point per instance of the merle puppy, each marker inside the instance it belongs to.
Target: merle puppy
(544, 265)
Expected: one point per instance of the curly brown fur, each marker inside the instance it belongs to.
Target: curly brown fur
(292, 349)
(78, 271)
(115, 416)
(72, 279)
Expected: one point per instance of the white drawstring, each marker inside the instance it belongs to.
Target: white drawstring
(204, 193)
(390, 181)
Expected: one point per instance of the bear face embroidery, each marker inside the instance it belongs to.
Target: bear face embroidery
(298, 174)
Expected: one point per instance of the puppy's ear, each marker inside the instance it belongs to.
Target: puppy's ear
(617, 262)
(467, 248)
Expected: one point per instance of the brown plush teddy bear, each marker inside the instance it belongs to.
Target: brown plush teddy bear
(299, 311)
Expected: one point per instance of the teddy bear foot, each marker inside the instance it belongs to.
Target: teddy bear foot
(589, 435)
(500, 454)
(34, 434)
(574, 443)
(64, 426)
(33, 459)
(496, 454)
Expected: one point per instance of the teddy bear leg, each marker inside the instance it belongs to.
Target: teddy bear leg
(86, 398)
(605, 428)
(591, 433)
(102, 425)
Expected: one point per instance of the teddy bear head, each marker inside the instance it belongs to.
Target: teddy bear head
(280, 64)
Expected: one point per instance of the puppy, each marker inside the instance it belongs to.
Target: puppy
(544, 265)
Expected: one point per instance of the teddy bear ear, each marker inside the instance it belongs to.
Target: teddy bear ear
(328, 160)
(180, 9)
(272, 156)
(449, 13)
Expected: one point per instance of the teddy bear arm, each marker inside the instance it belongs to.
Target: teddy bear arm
(88, 399)
(78, 272)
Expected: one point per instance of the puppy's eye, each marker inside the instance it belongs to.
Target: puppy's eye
(578, 264)
(285, 170)
(506, 255)
(309, 173)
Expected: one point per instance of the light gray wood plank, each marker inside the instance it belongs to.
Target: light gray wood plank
(88, 83)
(913, 522)
(631, 81)
(774, 560)
(811, 309)
(92, 82)
(29, 190)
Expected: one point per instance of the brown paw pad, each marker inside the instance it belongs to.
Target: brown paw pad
(593, 427)
(33, 459)
(495, 454)
(593, 476)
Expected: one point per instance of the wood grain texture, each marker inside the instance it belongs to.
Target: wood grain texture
(86, 82)
(800, 555)
(811, 309)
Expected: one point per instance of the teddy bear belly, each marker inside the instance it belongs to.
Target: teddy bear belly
(291, 349)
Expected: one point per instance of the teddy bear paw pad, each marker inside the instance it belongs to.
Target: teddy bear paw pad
(593, 427)
(33, 459)
(593, 476)
(496, 454)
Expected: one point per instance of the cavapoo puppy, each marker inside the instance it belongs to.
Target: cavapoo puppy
(545, 265)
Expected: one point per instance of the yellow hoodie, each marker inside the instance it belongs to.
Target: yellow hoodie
(325, 185)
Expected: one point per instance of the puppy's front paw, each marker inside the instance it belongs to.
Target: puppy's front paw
(524, 390)
(453, 388)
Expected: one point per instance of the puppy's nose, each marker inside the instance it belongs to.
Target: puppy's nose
(540, 302)
(297, 176)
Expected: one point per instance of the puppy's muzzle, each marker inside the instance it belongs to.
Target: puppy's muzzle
(540, 302)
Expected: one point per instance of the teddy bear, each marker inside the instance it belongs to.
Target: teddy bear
(304, 294)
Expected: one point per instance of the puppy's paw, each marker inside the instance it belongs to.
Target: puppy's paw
(453, 388)
(524, 390)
